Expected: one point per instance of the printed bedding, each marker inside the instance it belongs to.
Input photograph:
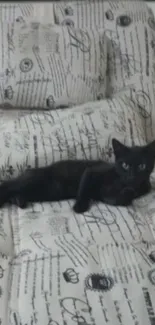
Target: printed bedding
(57, 267)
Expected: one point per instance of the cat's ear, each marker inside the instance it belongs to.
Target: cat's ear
(118, 147)
(151, 147)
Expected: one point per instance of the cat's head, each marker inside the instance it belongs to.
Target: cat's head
(134, 163)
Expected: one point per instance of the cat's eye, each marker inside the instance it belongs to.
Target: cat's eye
(142, 167)
(125, 166)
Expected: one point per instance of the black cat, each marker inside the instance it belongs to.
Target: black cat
(115, 184)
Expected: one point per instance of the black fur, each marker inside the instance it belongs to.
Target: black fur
(115, 184)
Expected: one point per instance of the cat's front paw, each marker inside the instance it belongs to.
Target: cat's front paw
(81, 207)
(128, 196)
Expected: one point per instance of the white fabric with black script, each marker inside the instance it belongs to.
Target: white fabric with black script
(57, 267)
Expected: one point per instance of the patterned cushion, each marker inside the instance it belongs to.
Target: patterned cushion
(54, 66)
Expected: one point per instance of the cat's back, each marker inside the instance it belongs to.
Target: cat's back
(75, 168)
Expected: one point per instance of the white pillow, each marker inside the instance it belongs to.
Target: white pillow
(55, 66)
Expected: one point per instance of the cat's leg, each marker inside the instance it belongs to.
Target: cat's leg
(8, 195)
(14, 190)
(125, 197)
(143, 189)
(20, 201)
(5, 193)
(122, 198)
(84, 192)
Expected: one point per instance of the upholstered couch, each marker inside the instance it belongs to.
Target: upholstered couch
(73, 75)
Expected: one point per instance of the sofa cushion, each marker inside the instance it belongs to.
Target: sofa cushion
(55, 66)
